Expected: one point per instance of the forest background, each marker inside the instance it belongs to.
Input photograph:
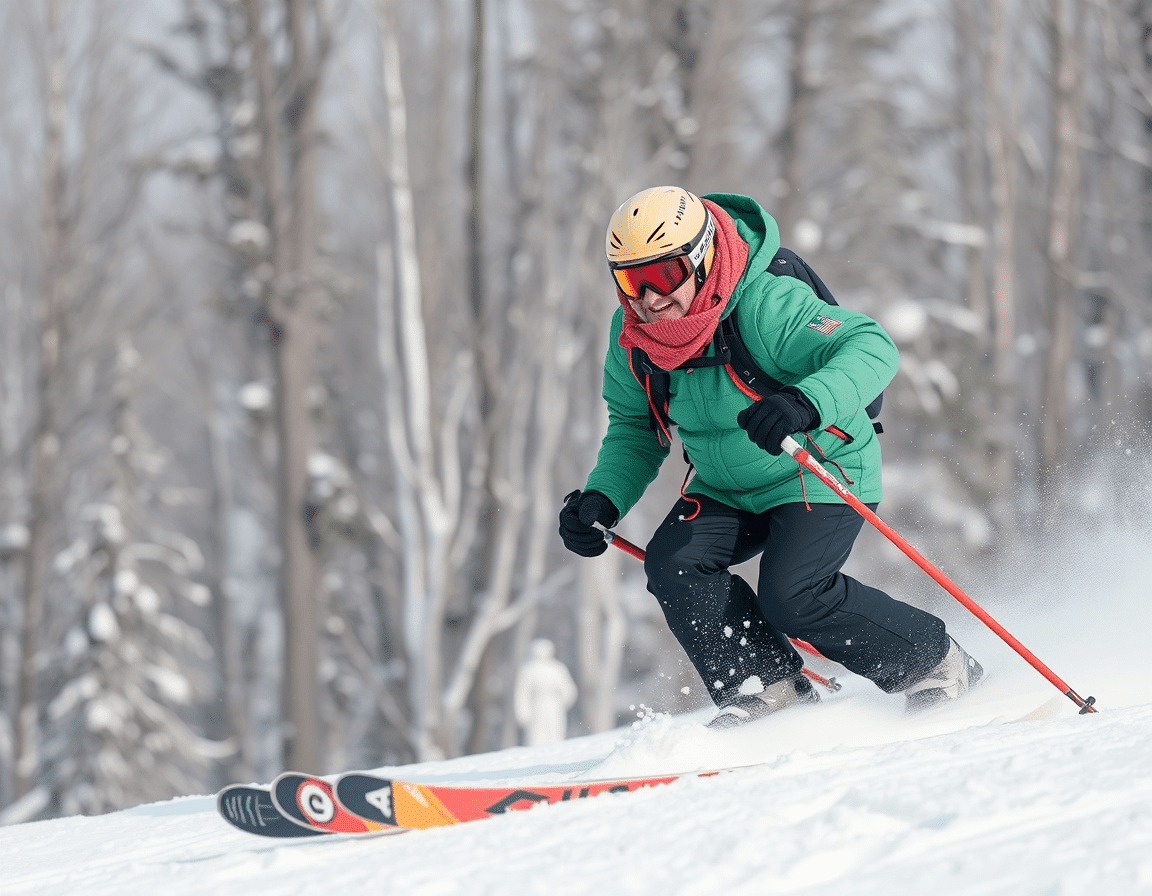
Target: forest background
(303, 307)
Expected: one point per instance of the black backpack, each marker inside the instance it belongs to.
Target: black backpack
(731, 351)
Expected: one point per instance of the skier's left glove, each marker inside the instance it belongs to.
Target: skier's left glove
(780, 414)
(581, 510)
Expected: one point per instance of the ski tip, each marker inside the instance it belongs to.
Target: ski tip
(311, 802)
(251, 809)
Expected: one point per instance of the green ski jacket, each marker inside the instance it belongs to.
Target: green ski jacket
(840, 359)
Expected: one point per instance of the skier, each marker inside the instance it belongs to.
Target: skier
(543, 695)
(680, 265)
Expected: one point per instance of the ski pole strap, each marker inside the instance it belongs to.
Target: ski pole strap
(802, 456)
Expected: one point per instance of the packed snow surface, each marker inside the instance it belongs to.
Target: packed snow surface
(849, 797)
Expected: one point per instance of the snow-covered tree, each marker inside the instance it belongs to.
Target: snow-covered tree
(134, 671)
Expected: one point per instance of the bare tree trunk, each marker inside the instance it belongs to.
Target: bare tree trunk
(54, 343)
(1000, 139)
(287, 108)
(717, 90)
(1066, 35)
(790, 140)
(486, 354)
(968, 48)
(485, 345)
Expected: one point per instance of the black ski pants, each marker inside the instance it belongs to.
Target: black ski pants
(731, 632)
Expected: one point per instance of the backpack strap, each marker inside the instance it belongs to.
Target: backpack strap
(657, 386)
(657, 383)
(742, 365)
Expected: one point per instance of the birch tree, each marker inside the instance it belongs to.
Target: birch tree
(428, 489)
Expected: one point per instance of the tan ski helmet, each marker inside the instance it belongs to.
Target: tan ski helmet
(659, 222)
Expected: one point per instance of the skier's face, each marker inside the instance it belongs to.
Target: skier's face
(651, 306)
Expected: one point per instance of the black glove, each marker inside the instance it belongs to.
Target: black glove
(781, 414)
(581, 510)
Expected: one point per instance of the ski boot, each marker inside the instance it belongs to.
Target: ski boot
(740, 709)
(954, 677)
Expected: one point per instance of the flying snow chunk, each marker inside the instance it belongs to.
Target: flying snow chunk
(751, 685)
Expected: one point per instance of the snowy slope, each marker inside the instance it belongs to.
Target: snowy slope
(852, 797)
(1060, 805)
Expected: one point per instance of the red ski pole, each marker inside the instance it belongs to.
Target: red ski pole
(636, 551)
(803, 457)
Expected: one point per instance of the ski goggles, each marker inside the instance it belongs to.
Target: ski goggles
(667, 273)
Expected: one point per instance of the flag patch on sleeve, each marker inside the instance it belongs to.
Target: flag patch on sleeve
(825, 325)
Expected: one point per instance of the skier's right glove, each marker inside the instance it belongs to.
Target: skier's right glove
(581, 510)
(779, 414)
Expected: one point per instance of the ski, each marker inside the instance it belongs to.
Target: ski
(251, 810)
(364, 804)
(413, 806)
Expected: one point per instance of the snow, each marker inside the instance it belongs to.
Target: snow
(852, 798)
(1053, 806)
(849, 797)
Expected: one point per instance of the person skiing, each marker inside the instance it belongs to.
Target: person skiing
(681, 265)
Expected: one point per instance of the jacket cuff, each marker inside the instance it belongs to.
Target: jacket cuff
(806, 405)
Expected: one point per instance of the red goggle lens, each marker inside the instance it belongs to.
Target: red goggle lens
(662, 276)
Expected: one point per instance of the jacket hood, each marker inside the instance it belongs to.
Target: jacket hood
(757, 228)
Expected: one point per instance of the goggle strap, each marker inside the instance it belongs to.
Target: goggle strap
(696, 255)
